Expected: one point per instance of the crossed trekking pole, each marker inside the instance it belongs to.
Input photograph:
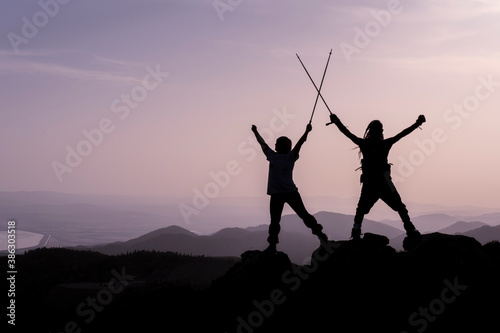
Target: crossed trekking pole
(320, 86)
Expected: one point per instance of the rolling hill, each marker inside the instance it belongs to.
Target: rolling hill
(485, 234)
(295, 238)
(480, 231)
(427, 222)
(461, 227)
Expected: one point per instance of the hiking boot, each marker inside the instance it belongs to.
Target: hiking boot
(356, 234)
(271, 249)
(323, 237)
(411, 231)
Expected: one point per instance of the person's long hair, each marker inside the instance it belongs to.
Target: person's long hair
(373, 132)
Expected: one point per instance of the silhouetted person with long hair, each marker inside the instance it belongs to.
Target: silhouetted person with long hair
(376, 173)
(282, 189)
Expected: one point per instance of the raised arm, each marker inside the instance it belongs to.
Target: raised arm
(302, 139)
(406, 131)
(334, 119)
(260, 140)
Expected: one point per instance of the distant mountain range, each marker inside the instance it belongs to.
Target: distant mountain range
(228, 226)
(438, 222)
(73, 218)
(480, 231)
(295, 238)
(485, 234)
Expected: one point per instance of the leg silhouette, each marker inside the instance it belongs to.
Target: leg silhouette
(276, 209)
(369, 196)
(392, 198)
(382, 188)
(295, 201)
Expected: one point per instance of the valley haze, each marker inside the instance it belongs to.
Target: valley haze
(54, 219)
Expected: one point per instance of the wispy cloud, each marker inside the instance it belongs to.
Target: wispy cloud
(41, 62)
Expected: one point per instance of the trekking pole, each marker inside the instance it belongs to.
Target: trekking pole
(320, 86)
(314, 84)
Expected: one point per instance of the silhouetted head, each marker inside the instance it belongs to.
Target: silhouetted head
(283, 145)
(374, 131)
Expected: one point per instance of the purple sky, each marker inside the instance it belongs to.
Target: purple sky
(168, 90)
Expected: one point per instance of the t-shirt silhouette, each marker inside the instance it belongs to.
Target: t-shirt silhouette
(280, 172)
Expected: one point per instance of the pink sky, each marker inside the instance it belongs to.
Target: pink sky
(175, 132)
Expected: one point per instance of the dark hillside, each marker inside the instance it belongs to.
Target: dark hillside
(441, 283)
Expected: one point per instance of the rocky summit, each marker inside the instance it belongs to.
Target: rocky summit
(441, 283)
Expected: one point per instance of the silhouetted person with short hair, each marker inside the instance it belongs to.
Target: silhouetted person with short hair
(376, 173)
(282, 189)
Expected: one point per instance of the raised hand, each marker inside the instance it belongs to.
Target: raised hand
(334, 119)
(421, 119)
